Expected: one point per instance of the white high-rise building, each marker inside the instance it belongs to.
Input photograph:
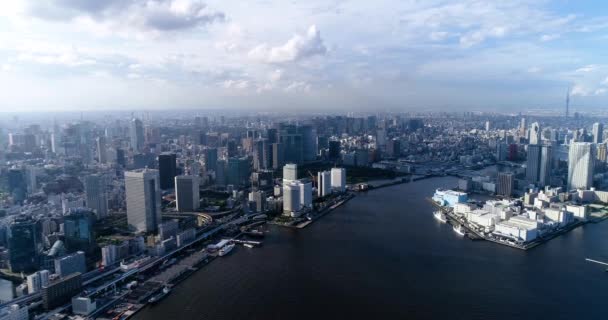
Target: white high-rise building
(290, 172)
(323, 183)
(291, 199)
(534, 133)
(187, 193)
(580, 165)
(143, 199)
(306, 194)
(598, 132)
(338, 179)
(97, 199)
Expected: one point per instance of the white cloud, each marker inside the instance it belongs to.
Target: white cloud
(549, 37)
(126, 17)
(587, 68)
(297, 48)
(438, 35)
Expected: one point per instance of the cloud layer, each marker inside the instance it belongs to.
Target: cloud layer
(385, 54)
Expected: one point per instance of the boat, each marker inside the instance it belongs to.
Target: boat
(459, 229)
(248, 245)
(439, 216)
(156, 298)
(226, 249)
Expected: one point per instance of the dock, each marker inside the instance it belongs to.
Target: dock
(474, 234)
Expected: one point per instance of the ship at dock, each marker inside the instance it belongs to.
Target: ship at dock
(226, 249)
(440, 216)
(161, 295)
(459, 229)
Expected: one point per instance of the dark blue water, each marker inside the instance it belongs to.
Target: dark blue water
(383, 256)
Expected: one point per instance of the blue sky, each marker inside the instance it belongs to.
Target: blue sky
(302, 55)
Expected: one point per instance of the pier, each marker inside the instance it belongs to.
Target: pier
(474, 234)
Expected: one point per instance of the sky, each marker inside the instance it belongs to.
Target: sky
(302, 55)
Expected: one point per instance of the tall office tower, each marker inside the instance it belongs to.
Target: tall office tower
(534, 133)
(167, 169)
(290, 172)
(260, 159)
(533, 163)
(143, 199)
(238, 171)
(522, 127)
(291, 198)
(488, 125)
(546, 165)
(393, 148)
(97, 199)
(78, 230)
(380, 139)
(306, 194)
(271, 135)
(598, 132)
(505, 184)
(309, 142)
(136, 133)
(186, 193)
(580, 165)
(210, 157)
(220, 173)
(278, 156)
(24, 244)
(501, 151)
(334, 150)
(338, 179)
(293, 144)
(31, 178)
(323, 183)
(120, 157)
(602, 152)
(17, 185)
(102, 152)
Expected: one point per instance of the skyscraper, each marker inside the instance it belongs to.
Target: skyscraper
(338, 179)
(580, 165)
(278, 153)
(291, 198)
(186, 193)
(97, 200)
(323, 183)
(143, 199)
(309, 142)
(78, 230)
(293, 144)
(546, 165)
(238, 171)
(505, 184)
(290, 172)
(534, 133)
(167, 169)
(598, 133)
(210, 155)
(102, 153)
(136, 133)
(533, 163)
(24, 242)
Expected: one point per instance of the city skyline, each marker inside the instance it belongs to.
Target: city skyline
(189, 54)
